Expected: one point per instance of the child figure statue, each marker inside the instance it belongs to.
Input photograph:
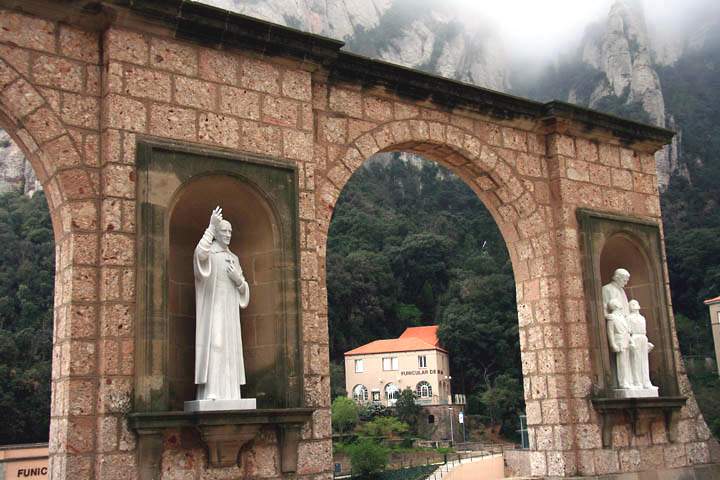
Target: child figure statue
(640, 347)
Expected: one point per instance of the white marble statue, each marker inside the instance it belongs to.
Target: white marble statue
(640, 347)
(220, 292)
(618, 331)
(627, 338)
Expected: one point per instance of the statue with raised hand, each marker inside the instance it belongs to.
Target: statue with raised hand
(220, 292)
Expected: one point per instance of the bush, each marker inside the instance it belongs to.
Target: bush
(368, 458)
(344, 415)
(373, 410)
(385, 427)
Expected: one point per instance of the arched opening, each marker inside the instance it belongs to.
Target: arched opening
(257, 242)
(424, 390)
(360, 393)
(392, 393)
(27, 272)
(411, 245)
(622, 251)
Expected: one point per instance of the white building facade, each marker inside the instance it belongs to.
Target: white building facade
(380, 370)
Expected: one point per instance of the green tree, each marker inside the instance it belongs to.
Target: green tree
(337, 380)
(344, 414)
(383, 427)
(406, 409)
(27, 264)
(368, 458)
(501, 402)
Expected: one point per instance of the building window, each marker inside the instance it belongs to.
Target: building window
(422, 361)
(431, 418)
(424, 389)
(376, 396)
(390, 363)
(360, 393)
(392, 393)
(359, 366)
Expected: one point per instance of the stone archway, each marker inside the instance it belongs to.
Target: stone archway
(53, 116)
(522, 218)
(80, 100)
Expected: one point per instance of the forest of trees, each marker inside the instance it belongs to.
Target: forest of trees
(415, 246)
(27, 269)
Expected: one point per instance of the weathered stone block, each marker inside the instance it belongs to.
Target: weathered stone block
(280, 111)
(147, 83)
(125, 114)
(240, 102)
(348, 102)
(27, 32)
(176, 57)
(81, 111)
(260, 76)
(297, 84)
(378, 109)
(218, 129)
(173, 122)
(199, 94)
(126, 46)
(221, 67)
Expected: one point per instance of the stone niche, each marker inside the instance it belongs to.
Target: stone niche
(610, 242)
(178, 187)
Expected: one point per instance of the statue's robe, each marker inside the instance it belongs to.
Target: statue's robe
(640, 350)
(219, 366)
(619, 339)
(611, 291)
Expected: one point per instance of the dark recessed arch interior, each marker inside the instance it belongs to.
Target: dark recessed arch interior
(257, 242)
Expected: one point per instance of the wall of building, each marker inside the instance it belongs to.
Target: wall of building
(408, 374)
(440, 428)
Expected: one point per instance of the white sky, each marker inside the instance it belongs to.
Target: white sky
(543, 26)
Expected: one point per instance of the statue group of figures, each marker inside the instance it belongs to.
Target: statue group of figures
(627, 338)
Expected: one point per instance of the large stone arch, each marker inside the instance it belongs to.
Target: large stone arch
(508, 197)
(64, 153)
(523, 218)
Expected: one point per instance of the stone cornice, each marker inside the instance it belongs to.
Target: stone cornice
(216, 27)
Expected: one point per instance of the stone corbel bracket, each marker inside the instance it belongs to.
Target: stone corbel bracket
(639, 413)
(224, 434)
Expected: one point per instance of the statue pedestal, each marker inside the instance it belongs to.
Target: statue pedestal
(634, 392)
(220, 405)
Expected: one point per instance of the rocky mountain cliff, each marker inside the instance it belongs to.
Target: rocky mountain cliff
(15, 172)
(424, 34)
(615, 71)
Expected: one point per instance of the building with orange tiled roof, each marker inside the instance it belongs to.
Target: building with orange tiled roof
(379, 370)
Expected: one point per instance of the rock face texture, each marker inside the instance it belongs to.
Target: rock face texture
(426, 35)
(621, 49)
(15, 172)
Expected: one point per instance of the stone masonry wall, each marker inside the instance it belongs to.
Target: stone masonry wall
(78, 113)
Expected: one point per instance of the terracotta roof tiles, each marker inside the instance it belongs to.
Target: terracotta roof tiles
(412, 339)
